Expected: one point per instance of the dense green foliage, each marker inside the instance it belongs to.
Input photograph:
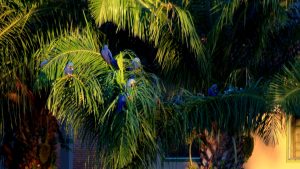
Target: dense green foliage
(184, 47)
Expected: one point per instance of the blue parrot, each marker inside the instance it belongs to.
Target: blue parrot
(230, 90)
(43, 62)
(177, 100)
(121, 103)
(130, 82)
(129, 69)
(136, 63)
(213, 90)
(69, 68)
(107, 56)
(114, 63)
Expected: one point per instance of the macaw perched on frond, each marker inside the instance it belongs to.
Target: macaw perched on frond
(213, 90)
(132, 102)
(69, 68)
(121, 103)
(43, 63)
(136, 63)
(231, 90)
(130, 82)
(107, 56)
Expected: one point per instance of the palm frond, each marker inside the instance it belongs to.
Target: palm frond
(225, 12)
(234, 21)
(270, 125)
(13, 22)
(236, 112)
(285, 88)
(122, 135)
(156, 22)
(71, 93)
(15, 95)
(87, 99)
(12, 28)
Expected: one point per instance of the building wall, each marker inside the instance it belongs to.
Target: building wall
(171, 165)
(271, 157)
(83, 157)
(263, 157)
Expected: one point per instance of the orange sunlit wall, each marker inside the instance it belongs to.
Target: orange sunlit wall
(270, 157)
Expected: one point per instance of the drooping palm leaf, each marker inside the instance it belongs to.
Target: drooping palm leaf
(15, 97)
(234, 112)
(241, 32)
(233, 12)
(128, 138)
(72, 93)
(270, 125)
(12, 29)
(13, 21)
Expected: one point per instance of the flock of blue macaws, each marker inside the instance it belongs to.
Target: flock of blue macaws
(135, 64)
(110, 60)
(214, 91)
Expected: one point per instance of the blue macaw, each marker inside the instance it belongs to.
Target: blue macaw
(43, 62)
(213, 90)
(177, 100)
(121, 102)
(42, 75)
(107, 56)
(69, 68)
(114, 63)
(130, 82)
(231, 90)
(136, 63)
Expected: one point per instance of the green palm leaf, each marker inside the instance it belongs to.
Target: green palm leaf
(234, 112)
(166, 25)
(13, 93)
(13, 19)
(234, 15)
(285, 88)
(82, 91)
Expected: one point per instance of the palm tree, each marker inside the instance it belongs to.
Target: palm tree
(25, 142)
(89, 98)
